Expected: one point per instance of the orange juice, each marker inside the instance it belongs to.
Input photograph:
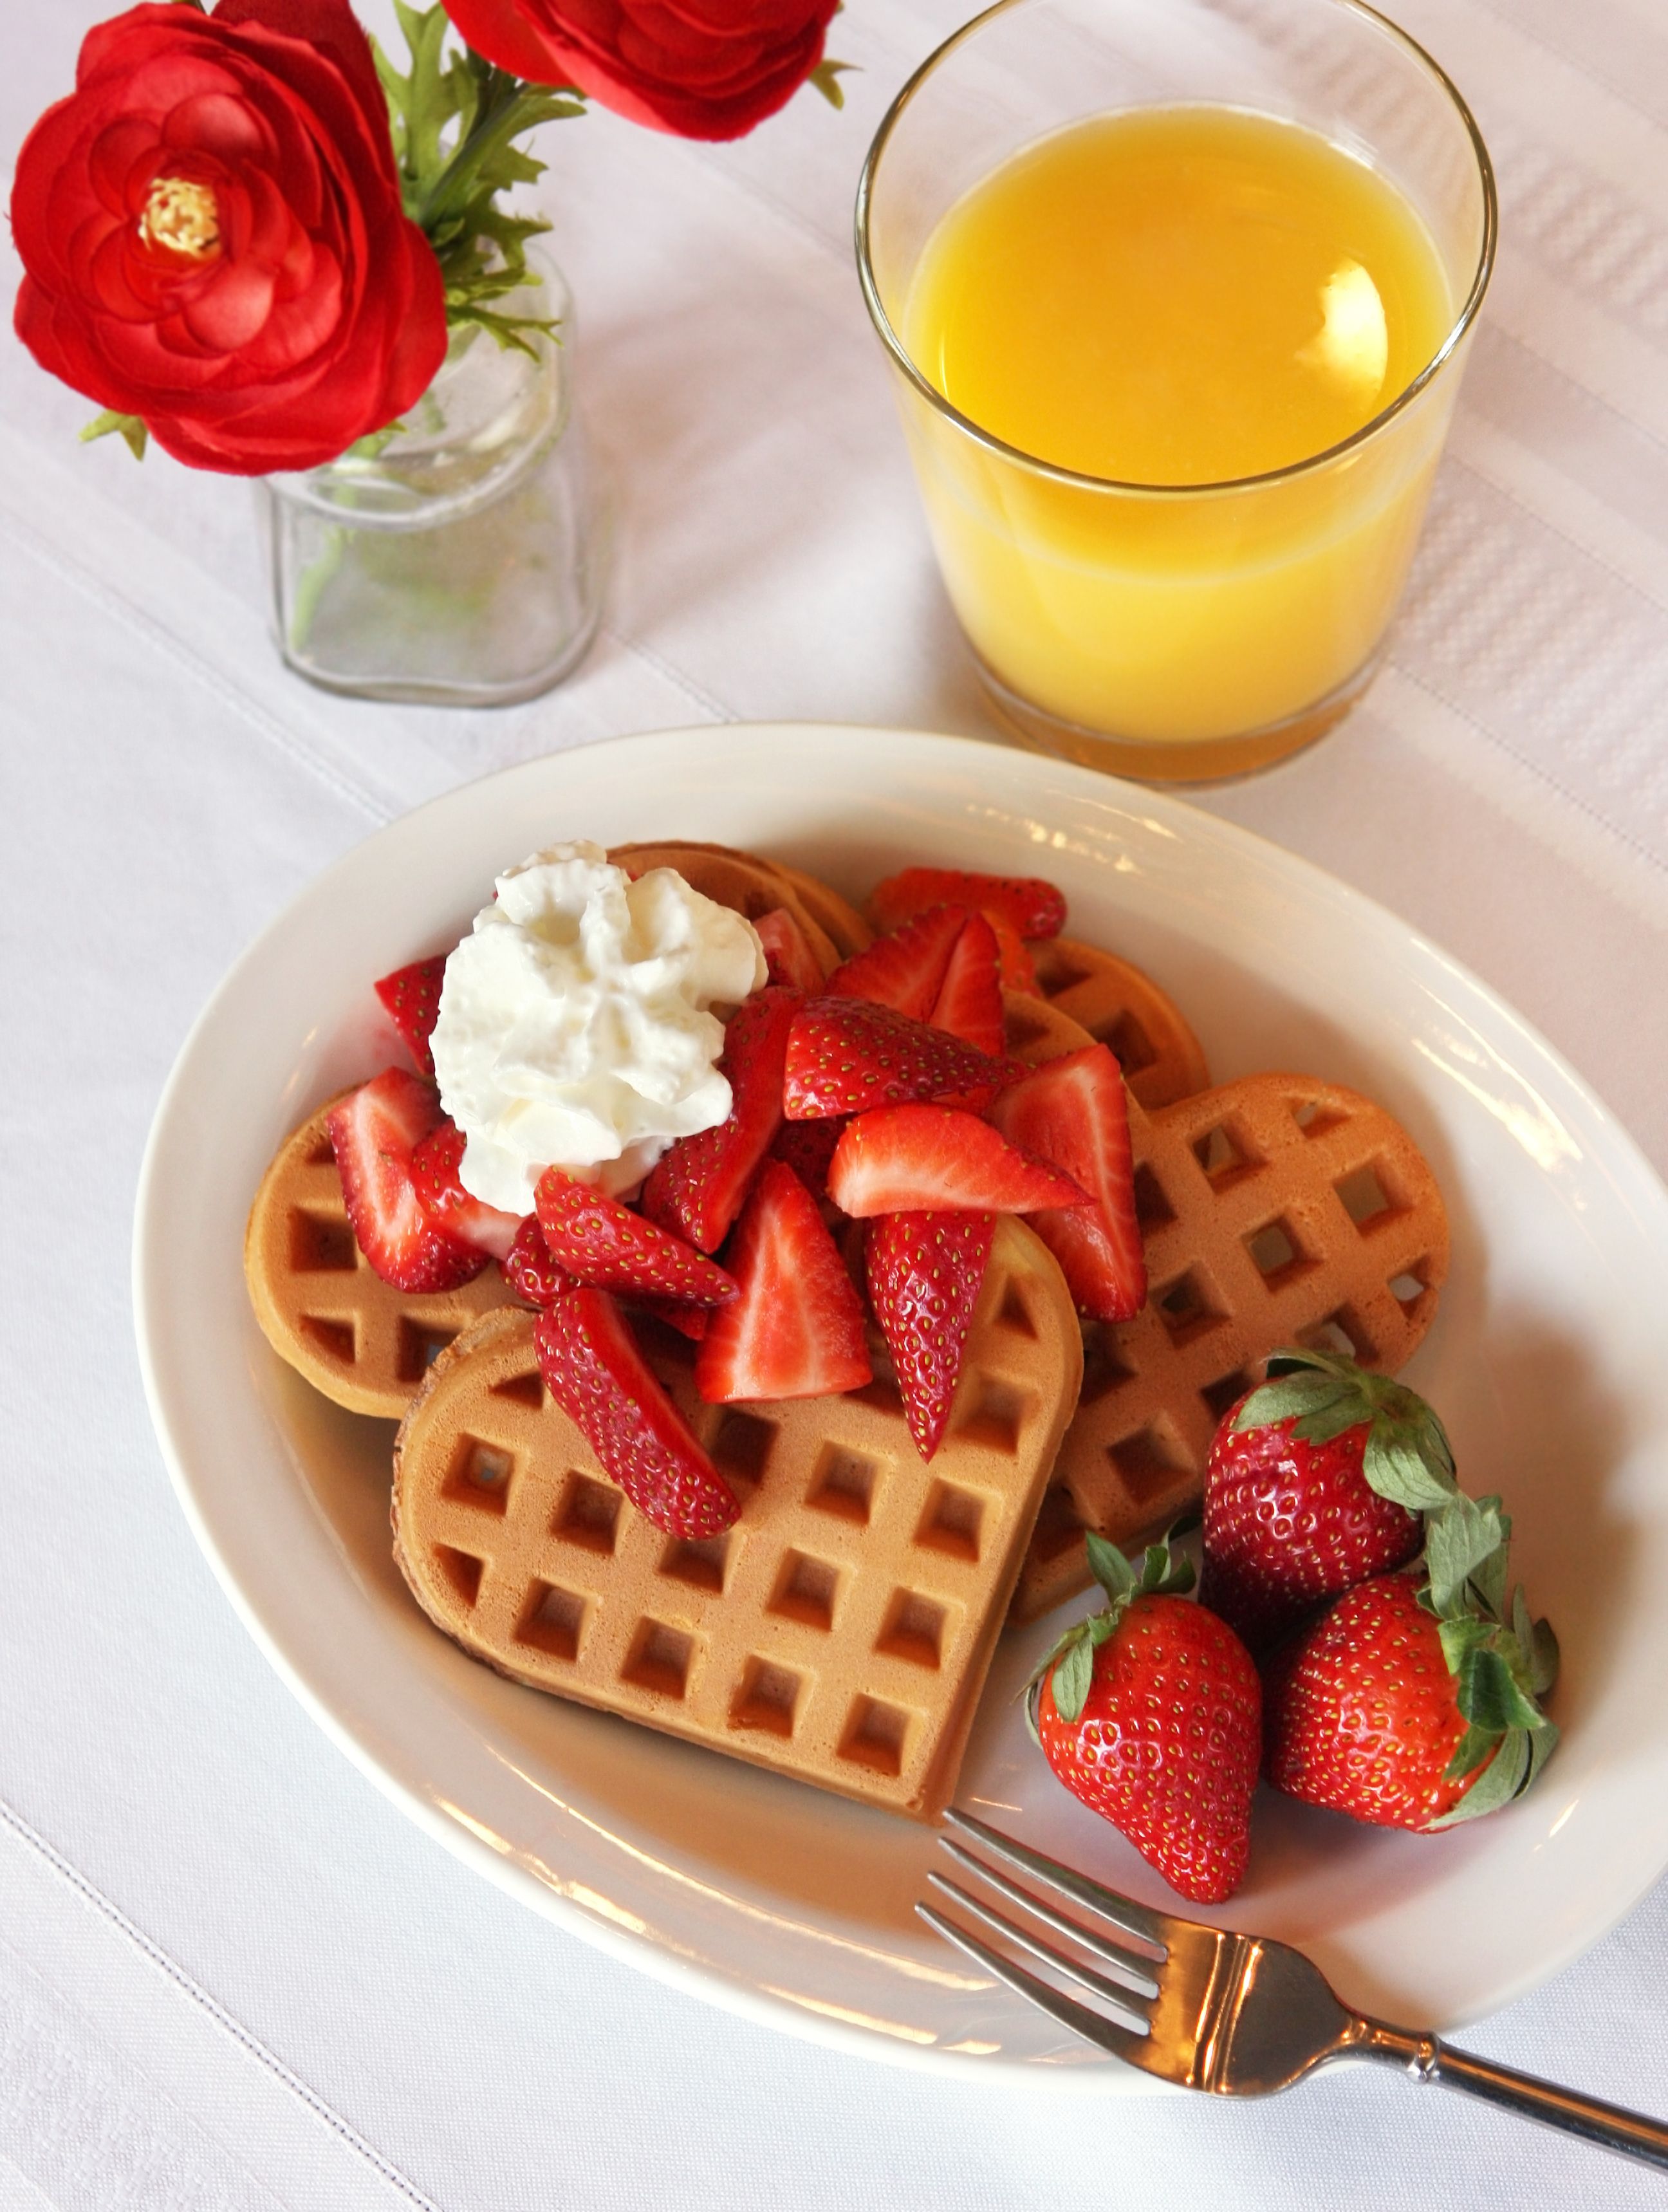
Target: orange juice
(1169, 298)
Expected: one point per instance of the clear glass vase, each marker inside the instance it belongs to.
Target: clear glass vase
(462, 563)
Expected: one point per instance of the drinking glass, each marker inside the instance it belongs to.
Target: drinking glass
(1174, 632)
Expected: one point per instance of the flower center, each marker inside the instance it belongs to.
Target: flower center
(182, 215)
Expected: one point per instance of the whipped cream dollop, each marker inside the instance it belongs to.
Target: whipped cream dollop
(574, 1029)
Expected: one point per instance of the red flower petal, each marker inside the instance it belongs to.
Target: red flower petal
(319, 316)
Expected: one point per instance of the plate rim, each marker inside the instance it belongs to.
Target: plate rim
(706, 1981)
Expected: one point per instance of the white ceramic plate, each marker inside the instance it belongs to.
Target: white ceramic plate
(769, 1897)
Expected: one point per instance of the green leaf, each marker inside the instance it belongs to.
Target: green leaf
(128, 427)
(1396, 1468)
(1179, 1579)
(375, 441)
(455, 119)
(826, 77)
(1054, 1651)
(1544, 1658)
(1488, 1575)
(1458, 1541)
(1506, 1775)
(1489, 1694)
(1542, 1744)
(1072, 1676)
(1461, 1637)
(1109, 1567)
(1030, 1693)
(1474, 1746)
(1292, 1397)
(1330, 1419)
(1293, 1358)
(1162, 1573)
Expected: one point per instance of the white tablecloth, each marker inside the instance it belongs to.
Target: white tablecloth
(230, 1973)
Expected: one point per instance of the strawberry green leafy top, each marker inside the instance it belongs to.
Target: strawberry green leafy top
(1503, 1661)
(1407, 1459)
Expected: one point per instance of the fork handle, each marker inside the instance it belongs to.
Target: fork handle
(1611, 2128)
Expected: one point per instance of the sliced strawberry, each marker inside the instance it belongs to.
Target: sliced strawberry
(373, 1134)
(787, 951)
(925, 1271)
(452, 1210)
(605, 1244)
(797, 1330)
(595, 1370)
(1030, 907)
(969, 1000)
(1019, 970)
(907, 1159)
(846, 1055)
(529, 1270)
(412, 996)
(696, 1189)
(691, 1322)
(904, 970)
(1072, 1112)
(807, 1148)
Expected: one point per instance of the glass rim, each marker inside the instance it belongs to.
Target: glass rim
(1080, 479)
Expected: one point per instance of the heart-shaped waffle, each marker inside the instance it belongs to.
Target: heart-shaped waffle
(747, 886)
(1120, 1006)
(1035, 1031)
(321, 1305)
(1275, 1210)
(845, 927)
(839, 1632)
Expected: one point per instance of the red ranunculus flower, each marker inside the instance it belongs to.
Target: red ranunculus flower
(211, 230)
(705, 68)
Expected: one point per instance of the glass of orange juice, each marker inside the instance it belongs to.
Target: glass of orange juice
(1179, 293)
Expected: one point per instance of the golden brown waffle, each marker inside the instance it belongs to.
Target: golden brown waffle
(1035, 1031)
(746, 885)
(839, 1633)
(1276, 1210)
(319, 1303)
(1119, 1007)
(845, 927)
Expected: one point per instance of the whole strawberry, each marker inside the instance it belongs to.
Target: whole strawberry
(1151, 1712)
(1413, 1703)
(1316, 1480)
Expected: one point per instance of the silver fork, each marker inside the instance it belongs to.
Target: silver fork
(1238, 2016)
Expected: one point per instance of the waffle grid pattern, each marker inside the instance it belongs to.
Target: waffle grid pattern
(839, 1632)
(322, 1306)
(1275, 1210)
(1118, 1006)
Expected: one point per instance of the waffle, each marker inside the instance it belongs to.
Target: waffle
(845, 926)
(839, 1633)
(1035, 1031)
(1119, 1007)
(1275, 1210)
(319, 1303)
(745, 885)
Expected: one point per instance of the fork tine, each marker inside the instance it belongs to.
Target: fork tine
(1094, 2027)
(1158, 1928)
(1096, 1985)
(1126, 1966)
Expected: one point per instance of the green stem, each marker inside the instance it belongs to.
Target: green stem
(508, 108)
